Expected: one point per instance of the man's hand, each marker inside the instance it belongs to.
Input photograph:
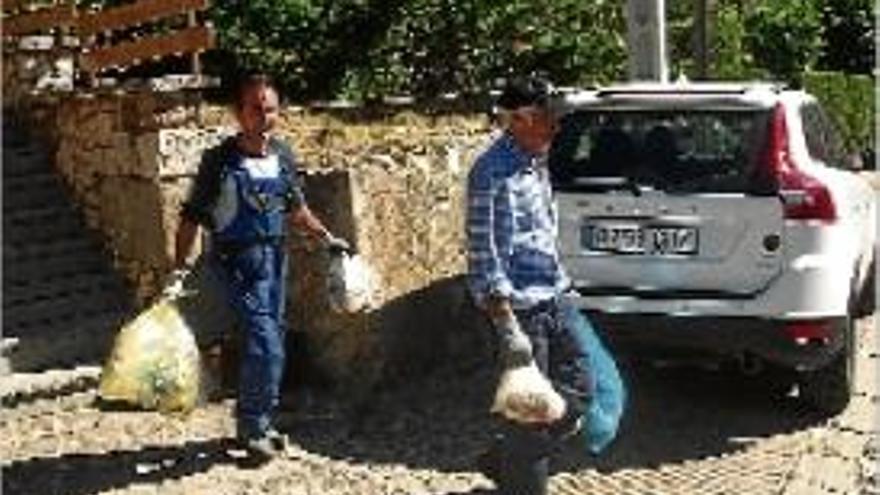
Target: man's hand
(173, 288)
(514, 345)
(335, 245)
(500, 311)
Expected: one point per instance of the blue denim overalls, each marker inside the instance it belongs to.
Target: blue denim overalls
(248, 244)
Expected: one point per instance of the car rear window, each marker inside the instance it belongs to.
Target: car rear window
(673, 151)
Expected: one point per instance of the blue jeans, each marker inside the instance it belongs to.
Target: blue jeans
(256, 280)
(524, 450)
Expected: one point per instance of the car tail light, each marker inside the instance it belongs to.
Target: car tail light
(809, 331)
(803, 196)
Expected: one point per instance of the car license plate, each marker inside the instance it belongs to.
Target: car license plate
(623, 238)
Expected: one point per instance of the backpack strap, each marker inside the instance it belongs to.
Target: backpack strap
(293, 195)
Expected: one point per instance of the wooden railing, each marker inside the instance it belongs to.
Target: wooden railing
(41, 20)
(115, 37)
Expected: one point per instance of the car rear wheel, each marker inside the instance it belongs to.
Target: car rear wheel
(829, 388)
(867, 302)
(777, 381)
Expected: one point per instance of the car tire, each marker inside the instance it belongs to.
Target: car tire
(777, 381)
(867, 301)
(828, 389)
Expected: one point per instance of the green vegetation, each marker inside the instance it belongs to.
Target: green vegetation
(362, 49)
(365, 49)
(785, 37)
(849, 99)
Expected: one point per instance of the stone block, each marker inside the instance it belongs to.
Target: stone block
(122, 155)
(173, 192)
(147, 151)
(181, 149)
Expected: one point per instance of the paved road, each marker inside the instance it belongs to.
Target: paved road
(687, 432)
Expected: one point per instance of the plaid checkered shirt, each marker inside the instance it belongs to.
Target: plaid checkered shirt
(512, 227)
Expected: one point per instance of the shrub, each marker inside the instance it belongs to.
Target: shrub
(849, 35)
(785, 37)
(362, 49)
(849, 99)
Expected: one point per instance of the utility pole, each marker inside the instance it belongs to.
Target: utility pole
(703, 21)
(646, 40)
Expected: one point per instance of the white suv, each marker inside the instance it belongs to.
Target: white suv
(718, 220)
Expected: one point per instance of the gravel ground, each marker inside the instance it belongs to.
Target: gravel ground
(687, 432)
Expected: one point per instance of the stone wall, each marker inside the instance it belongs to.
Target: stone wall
(397, 191)
(37, 63)
(129, 158)
(393, 185)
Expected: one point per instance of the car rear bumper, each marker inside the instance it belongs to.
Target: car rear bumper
(717, 339)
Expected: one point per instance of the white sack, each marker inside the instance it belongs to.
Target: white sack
(525, 395)
(349, 283)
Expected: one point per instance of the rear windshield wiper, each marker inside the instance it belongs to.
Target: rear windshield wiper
(589, 184)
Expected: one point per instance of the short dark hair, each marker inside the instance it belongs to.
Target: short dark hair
(247, 80)
(523, 92)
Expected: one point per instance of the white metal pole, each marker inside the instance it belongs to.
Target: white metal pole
(646, 40)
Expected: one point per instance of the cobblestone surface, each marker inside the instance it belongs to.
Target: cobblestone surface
(687, 432)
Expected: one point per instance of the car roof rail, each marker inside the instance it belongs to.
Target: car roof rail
(690, 88)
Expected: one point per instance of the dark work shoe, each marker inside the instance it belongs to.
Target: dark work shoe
(259, 449)
(565, 429)
(489, 463)
(279, 441)
(529, 478)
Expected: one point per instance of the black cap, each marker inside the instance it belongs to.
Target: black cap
(524, 92)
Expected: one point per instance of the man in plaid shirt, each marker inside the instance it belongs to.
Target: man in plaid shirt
(516, 277)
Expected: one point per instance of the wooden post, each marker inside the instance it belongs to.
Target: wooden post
(194, 58)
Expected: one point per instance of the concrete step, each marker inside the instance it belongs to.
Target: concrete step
(62, 301)
(36, 180)
(41, 214)
(18, 388)
(49, 316)
(14, 251)
(27, 161)
(60, 228)
(33, 269)
(84, 341)
(42, 191)
(60, 288)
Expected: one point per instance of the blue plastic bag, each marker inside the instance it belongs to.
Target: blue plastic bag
(602, 417)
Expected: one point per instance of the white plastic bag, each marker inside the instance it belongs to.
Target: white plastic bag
(349, 283)
(525, 395)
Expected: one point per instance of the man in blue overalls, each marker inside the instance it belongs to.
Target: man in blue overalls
(245, 192)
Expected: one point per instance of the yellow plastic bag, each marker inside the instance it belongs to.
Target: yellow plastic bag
(155, 362)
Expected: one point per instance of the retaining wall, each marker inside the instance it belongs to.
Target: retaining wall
(392, 183)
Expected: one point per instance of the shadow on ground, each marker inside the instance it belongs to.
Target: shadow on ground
(690, 413)
(440, 421)
(81, 474)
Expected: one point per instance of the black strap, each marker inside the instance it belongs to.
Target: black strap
(228, 247)
(545, 306)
